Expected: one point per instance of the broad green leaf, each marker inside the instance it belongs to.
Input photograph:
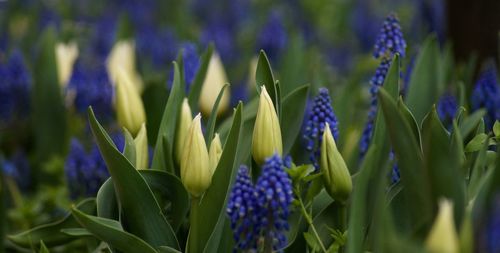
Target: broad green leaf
(51, 233)
(264, 76)
(293, 110)
(129, 149)
(410, 161)
(496, 129)
(477, 172)
(476, 143)
(48, 107)
(292, 64)
(167, 189)
(161, 159)
(141, 214)
(154, 97)
(77, 232)
(214, 200)
(457, 147)
(423, 89)
(195, 89)
(165, 249)
(411, 120)
(112, 232)
(442, 167)
(471, 122)
(213, 117)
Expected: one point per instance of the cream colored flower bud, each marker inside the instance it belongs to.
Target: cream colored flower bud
(443, 236)
(122, 57)
(214, 153)
(66, 55)
(266, 140)
(336, 177)
(129, 108)
(185, 119)
(141, 148)
(215, 79)
(195, 167)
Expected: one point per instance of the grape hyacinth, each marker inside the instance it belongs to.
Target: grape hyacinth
(446, 109)
(15, 88)
(273, 37)
(390, 39)
(375, 83)
(241, 210)
(86, 172)
(17, 168)
(90, 86)
(191, 61)
(259, 215)
(486, 95)
(321, 113)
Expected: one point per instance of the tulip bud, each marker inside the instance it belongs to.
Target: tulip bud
(215, 79)
(66, 55)
(129, 108)
(195, 170)
(336, 177)
(122, 58)
(141, 148)
(214, 153)
(185, 119)
(443, 237)
(266, 139)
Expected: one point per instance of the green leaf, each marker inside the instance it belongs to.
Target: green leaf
(496, 129)
(213, 117)
(165, 249)
(476, 143)
(163, 160)
(48, 106)
(141, 214)
(107, 204)
(264, 76)
(312, 242)
(43, 248)
(129, 149)
(443, 169)
(112, 232)
(294, 106)
(195, 90)
(167, 189)
(477, 172)
(214, 200)
(411, 164)
(457, 147)
(77, 232)
(411, 120)
(471, 122)
(423, 89)
(51, 233)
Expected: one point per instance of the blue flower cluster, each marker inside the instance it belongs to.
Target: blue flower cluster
(259, 214)
(91, 86)
(375, 83)
(15, 87)
(446, 108)
(18, 168)
(86, 172)
(486, 95)
(321, 113)
(191, 61)
(390, 39)
(273, 37)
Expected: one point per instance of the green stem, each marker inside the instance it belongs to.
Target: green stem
(194, 230)
(14, 192)
(341, 219)
(311, 223)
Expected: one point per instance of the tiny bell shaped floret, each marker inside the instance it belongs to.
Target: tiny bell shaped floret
(266, 139)
(336, 177)
(185, 118)
(214, 153)
(443, 236)
(129, 108)
(141, 148)
(195, 168)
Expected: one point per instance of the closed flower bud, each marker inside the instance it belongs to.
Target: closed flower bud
(185, 119)
(195, 167)
(214, 153)
(336, 177)
(215, 79)
(129, 108)
(122, 57)
(66, 55)
(443, 236)
(141, 148)
(266, 139)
